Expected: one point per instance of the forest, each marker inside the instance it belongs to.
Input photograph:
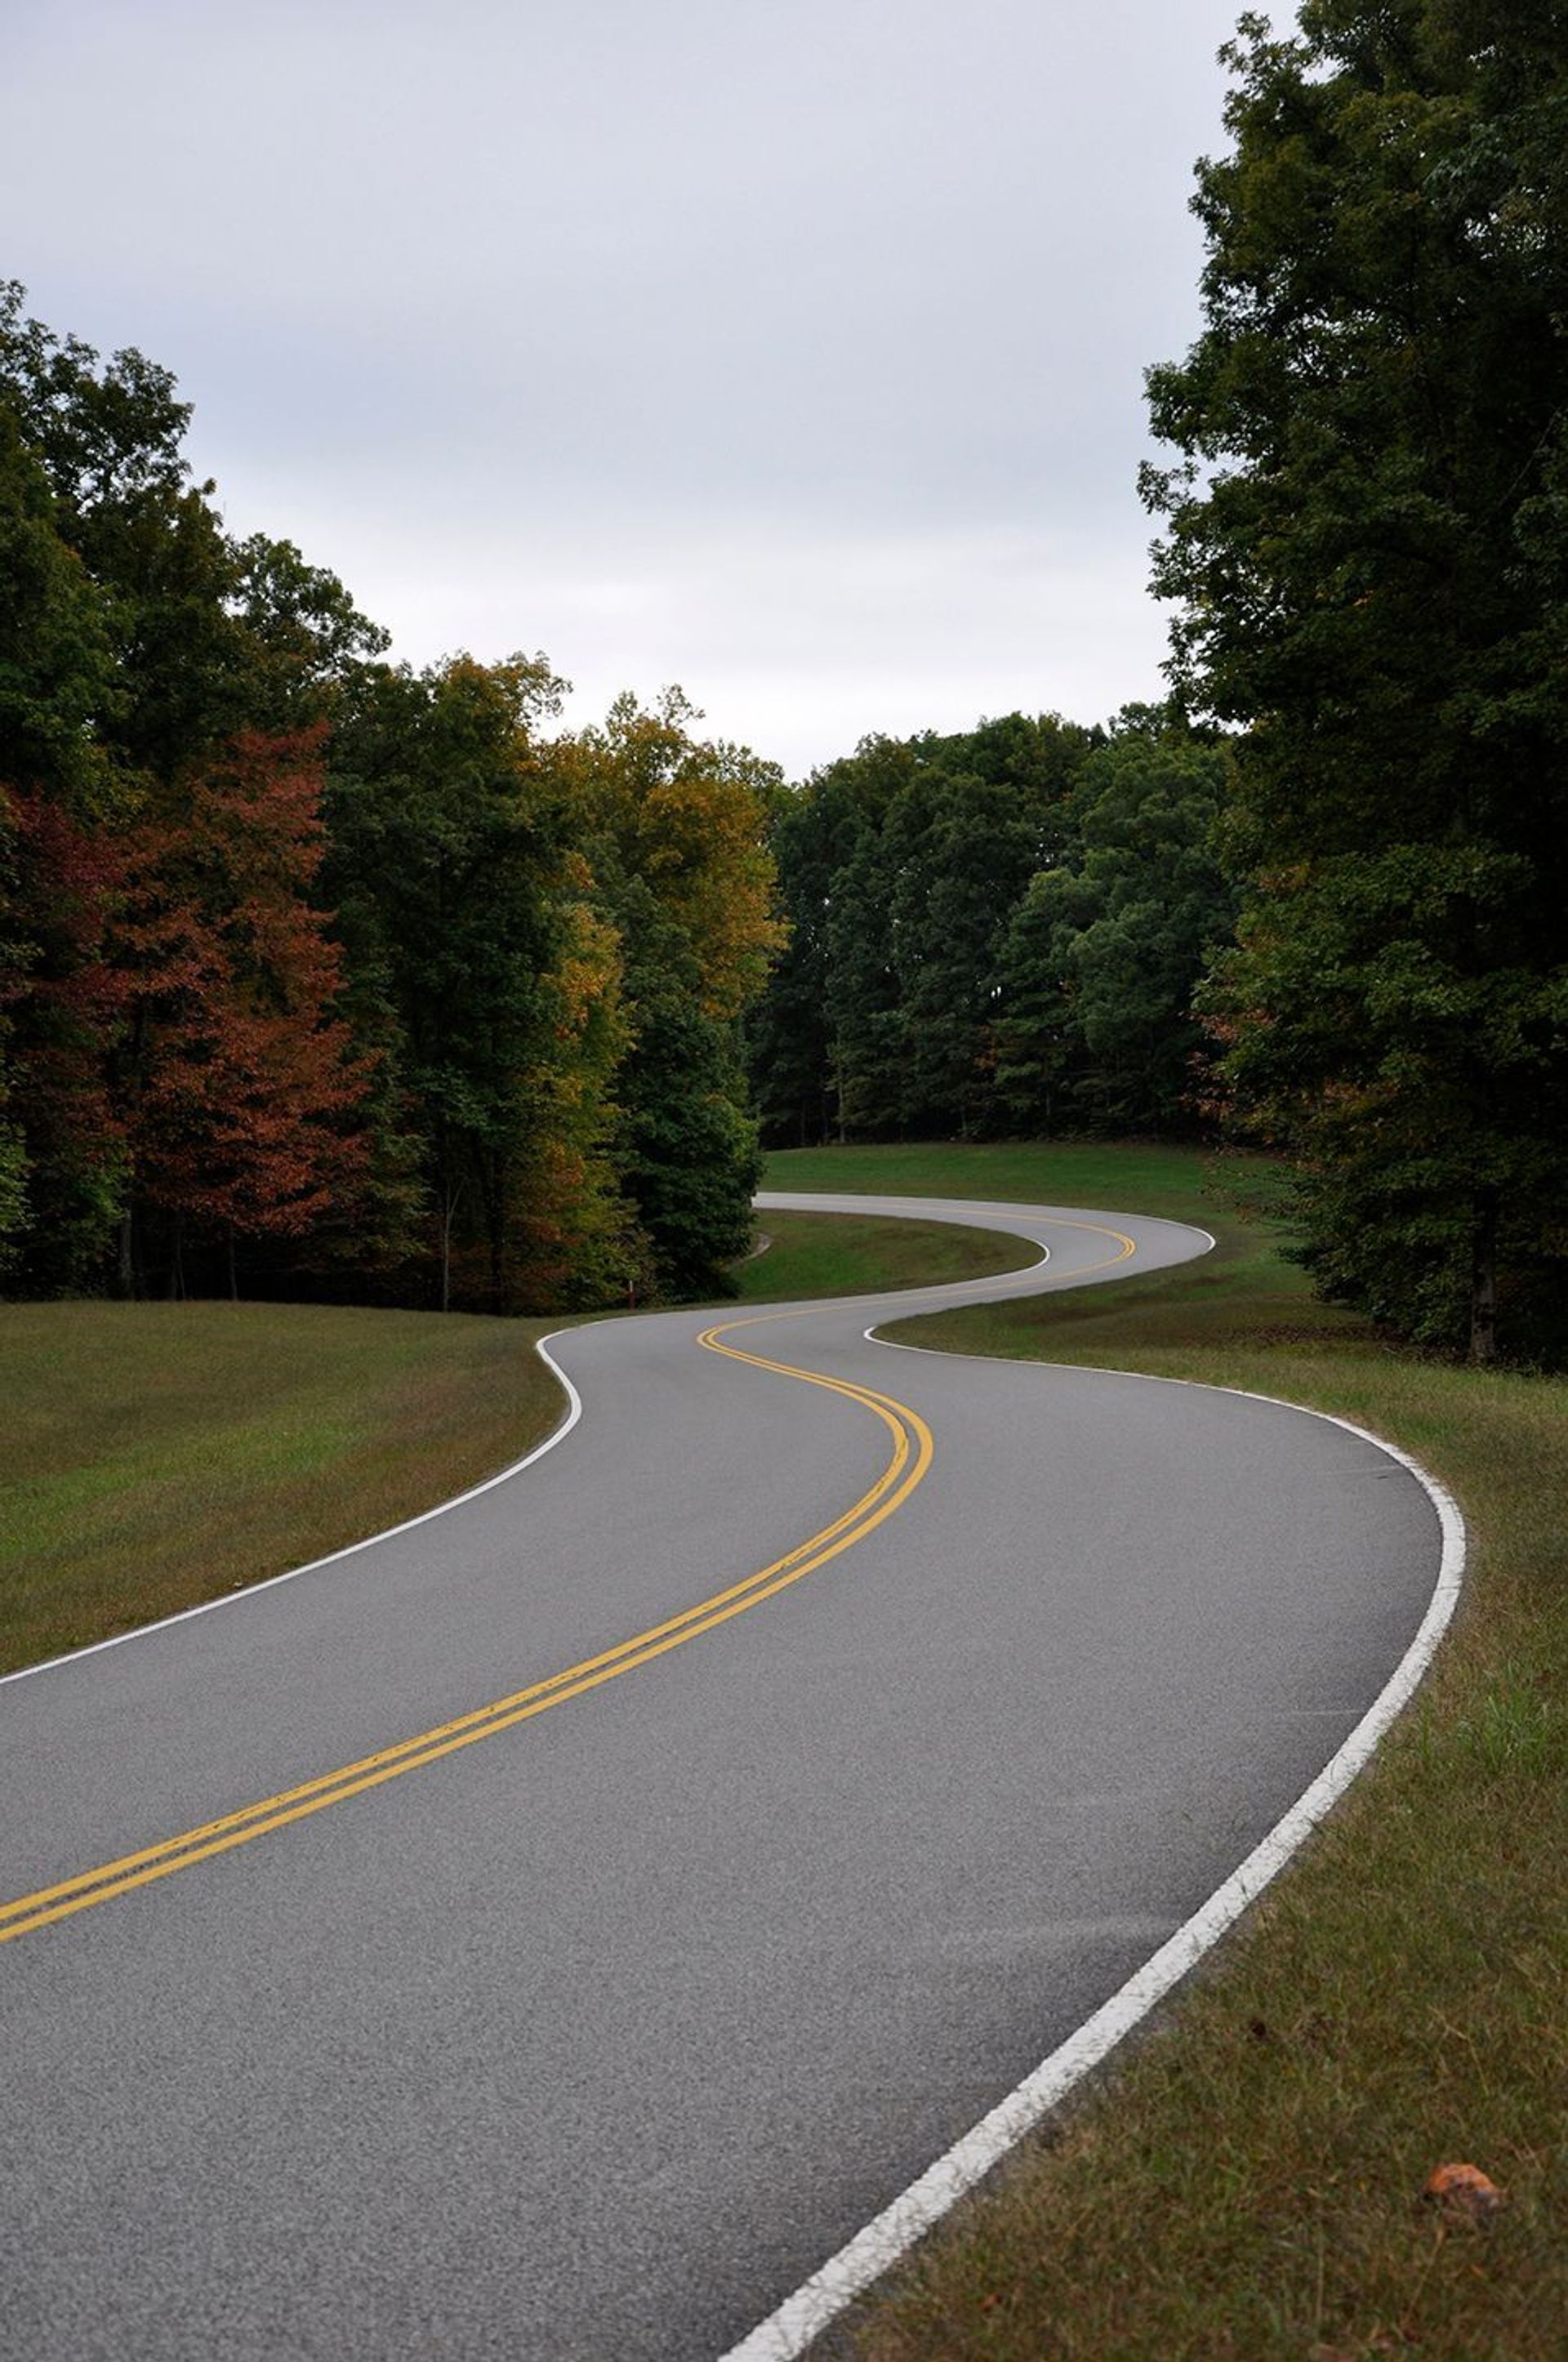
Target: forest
(321, 975)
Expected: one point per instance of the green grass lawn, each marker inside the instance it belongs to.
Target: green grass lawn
(1175, 1181)
(819, 1254)
(159, 1454)
(1245, 2181)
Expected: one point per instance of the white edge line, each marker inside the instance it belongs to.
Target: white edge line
(787, 2331)
(268, 1583)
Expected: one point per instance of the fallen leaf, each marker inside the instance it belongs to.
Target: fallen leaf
(1464, 2192)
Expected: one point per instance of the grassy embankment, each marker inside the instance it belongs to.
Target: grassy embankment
(154, 1455)
(1244, 2183)
(159, 1454)
(854, 1254)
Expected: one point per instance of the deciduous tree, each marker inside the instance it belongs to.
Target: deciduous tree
(1366, 531)
(238, 1086)
(673, 828)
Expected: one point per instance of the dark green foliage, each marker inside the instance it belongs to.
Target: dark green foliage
(56, 678)
(790, 1032)
(210, 637)
(688, 1152)
(443, 858)
(997, 931)
(899, 866)
(57, 669)
(307, 645)
(1104, 951)
(1368, 536)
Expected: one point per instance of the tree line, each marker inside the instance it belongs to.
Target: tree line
(319, 973)
(996, 934)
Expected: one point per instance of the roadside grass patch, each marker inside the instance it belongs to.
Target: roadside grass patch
(1242, 2181)
(851, 1255)
(1070, 1173)
(160, 1454)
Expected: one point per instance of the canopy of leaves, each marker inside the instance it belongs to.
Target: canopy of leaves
(1366, 531)
(999, 931)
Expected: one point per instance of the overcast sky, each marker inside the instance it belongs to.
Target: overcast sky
(790, 350)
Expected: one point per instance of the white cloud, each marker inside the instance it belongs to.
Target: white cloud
(791, 348)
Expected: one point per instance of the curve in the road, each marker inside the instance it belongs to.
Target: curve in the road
(596, 2047)
(910, 1458)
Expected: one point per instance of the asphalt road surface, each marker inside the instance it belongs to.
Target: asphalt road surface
(377, 1996)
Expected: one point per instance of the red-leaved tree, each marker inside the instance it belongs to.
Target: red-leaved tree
(239, 1087)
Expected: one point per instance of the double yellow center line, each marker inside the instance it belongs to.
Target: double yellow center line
(912, 1456)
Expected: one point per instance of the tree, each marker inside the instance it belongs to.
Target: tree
(305, 642)
(900, 864)
(64, 1005)
(673, 831)
(462, 890)
(56, 681)
(236, 1083)
(108, 439)
(210, 637)
(792, 1039)
(1366, 531)
(1104, 951)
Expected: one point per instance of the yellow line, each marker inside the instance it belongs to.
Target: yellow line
(912, 1449)
(891, 1489)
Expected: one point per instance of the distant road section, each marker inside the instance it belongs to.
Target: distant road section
(553, 1930)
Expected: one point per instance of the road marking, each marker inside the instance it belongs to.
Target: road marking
(912, 1457)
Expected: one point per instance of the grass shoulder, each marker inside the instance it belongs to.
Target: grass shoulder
(861, 1254)
(162, 1454)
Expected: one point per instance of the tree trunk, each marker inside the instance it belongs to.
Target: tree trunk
(1484, 1278)
(232, 1274)
(495, 1229)
(126, 1269)
(449, 1213)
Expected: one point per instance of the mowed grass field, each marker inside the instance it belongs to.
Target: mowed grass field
(156, 1455)
(1245, 2181)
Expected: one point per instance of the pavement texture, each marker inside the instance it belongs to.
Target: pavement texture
(593, 2039)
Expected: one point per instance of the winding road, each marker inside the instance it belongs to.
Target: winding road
(552, 1929)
